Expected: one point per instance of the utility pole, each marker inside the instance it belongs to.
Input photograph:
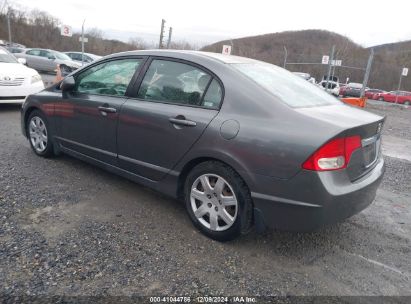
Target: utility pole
(399, 88)
(367, 73)
(170, 32)
(404, 72)
(285, 56)
(160, 44)
(8, 25)
(82, 43)
(8, 18)
(330, 65)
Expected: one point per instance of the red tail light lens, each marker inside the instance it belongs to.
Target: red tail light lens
(333, 155)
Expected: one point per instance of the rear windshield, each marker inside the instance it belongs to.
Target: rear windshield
(61, 56)
(289, 88)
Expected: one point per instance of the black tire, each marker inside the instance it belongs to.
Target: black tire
(381, 99)
(48, 151)
(407, 102)
(244, 218)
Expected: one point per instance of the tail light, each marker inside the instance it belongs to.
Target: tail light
(334, 155)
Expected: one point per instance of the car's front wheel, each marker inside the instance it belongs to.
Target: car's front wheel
(407, 102)
(218, 201)
(381, 99)
(38, 134)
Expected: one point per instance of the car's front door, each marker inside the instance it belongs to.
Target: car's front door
(89, 113)
(390, 96)
(48, 62)
(172, 107)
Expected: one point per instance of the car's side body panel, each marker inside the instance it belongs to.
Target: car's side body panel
(149, 144)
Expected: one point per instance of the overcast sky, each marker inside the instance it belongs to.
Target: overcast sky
(366, 22)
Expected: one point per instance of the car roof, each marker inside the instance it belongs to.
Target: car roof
(191, 55)
(85, 53)
(41, 49)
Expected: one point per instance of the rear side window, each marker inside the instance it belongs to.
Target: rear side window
(289, 88)
(108, 78)
(174, 82)
(212, 98)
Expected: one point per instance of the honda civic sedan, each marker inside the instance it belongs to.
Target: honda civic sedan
(241, 142)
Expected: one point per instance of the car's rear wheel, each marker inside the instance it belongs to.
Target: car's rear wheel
(407, 102)
(381, 99)
(218, 201)
(38, 134)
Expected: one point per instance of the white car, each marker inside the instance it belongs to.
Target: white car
(333, 87)
(16, 80)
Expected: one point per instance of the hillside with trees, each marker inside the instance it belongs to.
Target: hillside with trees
(40, 29)
(309, 46)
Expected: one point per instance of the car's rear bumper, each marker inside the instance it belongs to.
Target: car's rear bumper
(311, 200)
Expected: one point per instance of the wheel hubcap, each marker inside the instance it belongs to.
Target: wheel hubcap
(213, 202)
(38, 134)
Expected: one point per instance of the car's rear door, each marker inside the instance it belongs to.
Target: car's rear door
(32, 57)
(89, 114)
(169, 111)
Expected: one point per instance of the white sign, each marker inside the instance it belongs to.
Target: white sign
(336, 62)
(404, 71)
(325, 59)
(85, 39)
(66, 30)
(226, 49)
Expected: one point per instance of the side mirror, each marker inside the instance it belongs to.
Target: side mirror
(67, 84)
(22, 60)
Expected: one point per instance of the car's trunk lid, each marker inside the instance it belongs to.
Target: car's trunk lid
(353, 121)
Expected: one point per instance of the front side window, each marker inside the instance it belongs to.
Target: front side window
(290, 89)
(108, 78)
(34, 52)
(174, 82)
(46, 54)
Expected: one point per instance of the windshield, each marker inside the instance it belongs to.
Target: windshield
(61, 56)
(6, 57)
(290, 89)
(94, 57)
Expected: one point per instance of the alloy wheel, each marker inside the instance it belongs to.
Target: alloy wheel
(38, 134)
(213, 202)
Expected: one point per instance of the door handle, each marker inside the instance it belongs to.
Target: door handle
(107, 109)
(181, 121)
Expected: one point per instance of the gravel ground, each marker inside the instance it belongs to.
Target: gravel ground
(67, 228)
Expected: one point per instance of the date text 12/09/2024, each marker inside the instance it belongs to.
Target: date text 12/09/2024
(203, 299)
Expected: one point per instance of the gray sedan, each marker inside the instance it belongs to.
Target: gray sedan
(44, 60)
(240, 141)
